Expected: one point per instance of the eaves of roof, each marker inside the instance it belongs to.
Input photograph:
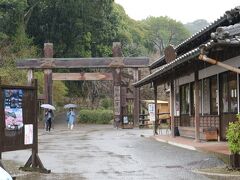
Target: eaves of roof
(181, 59)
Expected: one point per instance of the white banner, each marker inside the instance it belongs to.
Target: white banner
(151, 111)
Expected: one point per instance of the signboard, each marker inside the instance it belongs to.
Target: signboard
(13, 110)
(18, 123)
(151, 111)
(125, 119)
(28, 134)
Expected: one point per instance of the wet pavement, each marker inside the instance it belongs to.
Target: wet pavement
(104, 153)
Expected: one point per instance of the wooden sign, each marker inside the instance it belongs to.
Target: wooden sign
(170, 53)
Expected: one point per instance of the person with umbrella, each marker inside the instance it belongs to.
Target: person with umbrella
(48, 116)
(48, 119)
(71, 118)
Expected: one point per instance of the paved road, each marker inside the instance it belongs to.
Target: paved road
(103, 153)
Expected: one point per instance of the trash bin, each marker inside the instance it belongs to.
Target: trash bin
(176, 131)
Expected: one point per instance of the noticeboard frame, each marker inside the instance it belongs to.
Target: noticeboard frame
(19, 123)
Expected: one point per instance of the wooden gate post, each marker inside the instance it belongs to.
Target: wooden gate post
(136, 94)
(48, 53)
(117, 69)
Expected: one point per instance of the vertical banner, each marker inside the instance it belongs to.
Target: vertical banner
(151, 111)
(13, 109)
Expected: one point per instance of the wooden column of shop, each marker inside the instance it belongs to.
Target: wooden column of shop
(172, 109)
(117, 64)
(48, 53)
(136, 94)
(196, 97)
(156, 112)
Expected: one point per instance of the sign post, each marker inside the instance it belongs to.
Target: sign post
(19, 125)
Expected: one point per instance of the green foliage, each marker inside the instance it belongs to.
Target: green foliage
(130, 33)
(233, 136)
(106, 103)
(163, 31)
(95, 116)
(76, 28)
(59, 89)
(22, 44)
(10, 75)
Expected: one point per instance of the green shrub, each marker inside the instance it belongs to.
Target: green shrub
(106, 103)
(95, 116)
(233, 136)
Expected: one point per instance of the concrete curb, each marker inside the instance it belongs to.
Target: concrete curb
(218, 176)
(176, 144)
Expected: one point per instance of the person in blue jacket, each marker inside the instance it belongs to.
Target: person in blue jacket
(71, 118)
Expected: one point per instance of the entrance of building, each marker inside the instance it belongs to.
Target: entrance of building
(228, 100)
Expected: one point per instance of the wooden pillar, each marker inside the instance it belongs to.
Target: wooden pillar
(35, 126)
(197, 117)
(172, 109)
(156, 112)
(48, 53)
(48, 85)
(29, 76)
(1, 128)
(117, 64)
(136, 94)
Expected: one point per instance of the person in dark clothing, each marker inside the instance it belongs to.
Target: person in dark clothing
(48, 119)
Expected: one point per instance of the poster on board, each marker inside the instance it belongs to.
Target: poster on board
(13, 109)
(28, 134)
(151, 111)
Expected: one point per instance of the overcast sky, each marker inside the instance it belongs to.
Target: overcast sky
(180, 10)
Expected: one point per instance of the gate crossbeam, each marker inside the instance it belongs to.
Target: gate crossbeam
(72, 63)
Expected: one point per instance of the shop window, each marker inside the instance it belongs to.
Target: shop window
(192, 99)
(228, 97)
(233, 92)
(185, 99)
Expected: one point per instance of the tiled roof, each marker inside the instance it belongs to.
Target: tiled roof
(185, 57)
(224, 35)
(230, 17)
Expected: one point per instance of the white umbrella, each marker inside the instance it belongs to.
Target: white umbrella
(67, 106)
(48, 106)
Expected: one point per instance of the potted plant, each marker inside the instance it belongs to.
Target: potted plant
(233, 140)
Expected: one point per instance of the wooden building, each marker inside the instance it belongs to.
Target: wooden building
(203, 76)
